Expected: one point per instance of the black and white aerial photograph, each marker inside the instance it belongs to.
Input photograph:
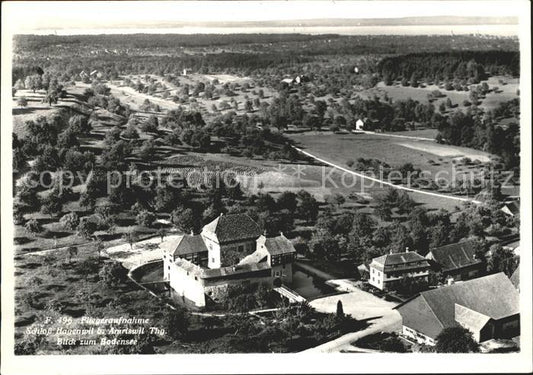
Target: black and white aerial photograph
(347, 183)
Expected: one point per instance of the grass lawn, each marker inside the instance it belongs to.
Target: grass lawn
(428, 156)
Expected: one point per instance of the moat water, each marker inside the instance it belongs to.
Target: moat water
(310, 287)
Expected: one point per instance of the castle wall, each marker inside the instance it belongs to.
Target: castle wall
(186, 285)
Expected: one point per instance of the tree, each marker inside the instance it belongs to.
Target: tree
(320, 109)
(145, 218)
(113, 273)
(340, 310)
(130, 132)
(68, 139)
(449, 103)
(86, 227)
(175, 323)
(502, 260)
(161, 232)
(147, 151)
(33, 226)
(166, 198)
(308, 207)
(70, 221)
(22, 101)
(27, 195)
(150, 125)
(80, 124)
(99, 247)
(287, 200)
(130, 237)
(184, 219)
(52, 204)
(33, 82)
(51, 97)
(72, 251)
(456, 340)
(87, 200)
(248, 106)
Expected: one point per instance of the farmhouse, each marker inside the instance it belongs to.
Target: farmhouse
(487, 306)
(511, 208)
(229, 251)
(457, 260)
(387, 271)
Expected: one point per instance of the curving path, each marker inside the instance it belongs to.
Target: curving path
(397, 136)
(400, 187)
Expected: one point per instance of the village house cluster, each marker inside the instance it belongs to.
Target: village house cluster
(487, 306)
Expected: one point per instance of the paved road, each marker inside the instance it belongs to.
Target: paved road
(400, 187)
(362, 306)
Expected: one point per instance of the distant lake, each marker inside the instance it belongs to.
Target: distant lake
(499, 30)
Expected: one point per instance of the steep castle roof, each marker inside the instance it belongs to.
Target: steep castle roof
(233, 228)
(189, 245)
(279, 245)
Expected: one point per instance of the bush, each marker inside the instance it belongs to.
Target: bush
(22, 101)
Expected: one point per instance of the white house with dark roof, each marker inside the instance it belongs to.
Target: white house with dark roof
(388, 270)
(229, 251)
(487, 306)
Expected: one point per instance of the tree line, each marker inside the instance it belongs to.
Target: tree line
(436, 67)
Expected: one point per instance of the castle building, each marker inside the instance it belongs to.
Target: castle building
(230, 250)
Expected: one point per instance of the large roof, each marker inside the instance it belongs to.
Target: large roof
(398, 260)
(223, 272)
(233, 227)
(513, 207)
(257, 256)
(455, 256)
(279, 245)
(189, 245)
(493, 296)
(470, 319)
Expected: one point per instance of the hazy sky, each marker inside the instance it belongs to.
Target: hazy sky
(26, 16)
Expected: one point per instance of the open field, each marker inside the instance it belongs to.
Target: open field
(394, 151)
(506, 90)
(437, 160)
